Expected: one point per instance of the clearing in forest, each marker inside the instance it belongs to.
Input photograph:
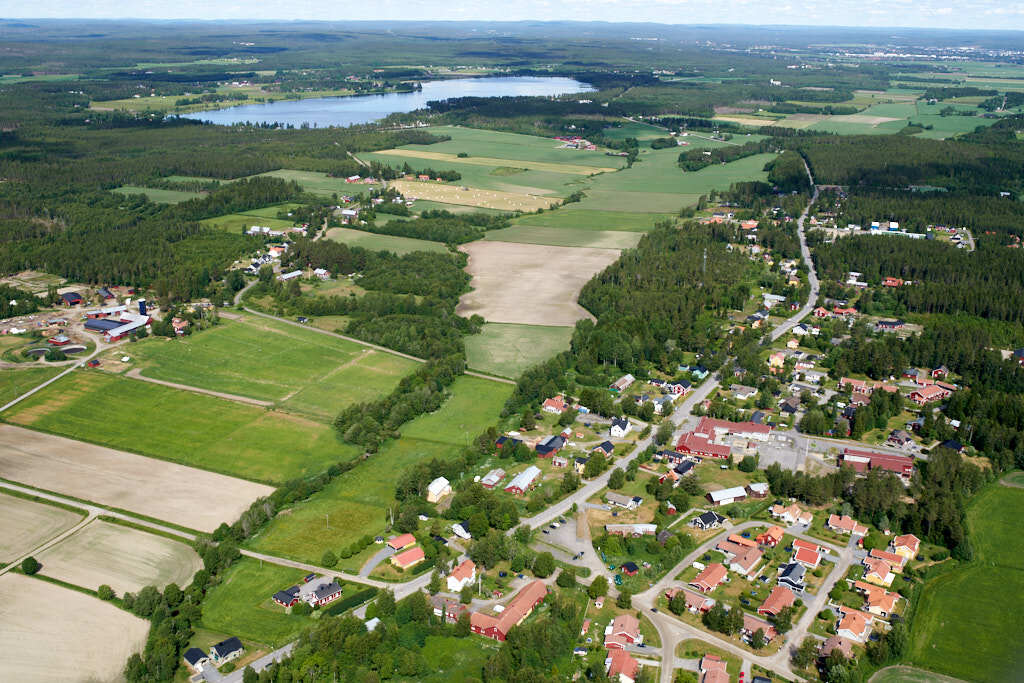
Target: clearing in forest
(507, 350)
(374, 242)
(469, 196)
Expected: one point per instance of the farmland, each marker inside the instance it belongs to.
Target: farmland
(456, 194)
(317, 183)
(582, 219)
(159, 196)
(189, 497)
(124, 558)
(368, 240)
(239, 222)
(530, 284)
(303, 370)
(27, 524)
(50, 633)
(565, 237)
(180, 426)
(355, 503)
(15, 382)
(965, 638)
(506, 350)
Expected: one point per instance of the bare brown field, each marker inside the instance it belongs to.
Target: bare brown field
(125, 559)
(530, 284)
(488, 199)
(193, 498)
(550, 167)
(49, 633)
(27, 524)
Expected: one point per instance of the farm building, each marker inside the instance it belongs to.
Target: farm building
(524, 481)
(71, 298)
(105, 312)
(622, 383)
(514, 613)
(438, 489)
(284, 277)
(861, 461)
(727, 496)
(550, 445)
(492, 478)
(408, 558)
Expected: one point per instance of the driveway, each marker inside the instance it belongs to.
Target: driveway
(381, 555)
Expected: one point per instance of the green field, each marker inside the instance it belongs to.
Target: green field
(240, 605)
(964, 617)
(303, 370)
(506, 350)
(356, 503)
(908, 674)
(456, 660)
(318, 183)
(368, 240)
(565, 237)
(582, 219)
(159, 196)
(240, 222)
(270, 211)
(512, 146)
(16, 381)
(181, 426)
(640, 131)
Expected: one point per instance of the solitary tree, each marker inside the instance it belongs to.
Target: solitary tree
(617, 479)
(664, 433)
(598, 587)
(544, 565)
(30, 565)
(466, 594)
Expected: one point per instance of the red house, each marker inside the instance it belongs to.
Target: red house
(518, 609)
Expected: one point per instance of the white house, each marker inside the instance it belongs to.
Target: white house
(620, 427)
(464, 574)
(438, 489)
(289, 276)
(322, 273)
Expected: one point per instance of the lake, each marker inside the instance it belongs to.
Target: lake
(346, 111)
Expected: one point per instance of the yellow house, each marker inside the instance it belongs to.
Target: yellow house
(776, 360)
(906, 546)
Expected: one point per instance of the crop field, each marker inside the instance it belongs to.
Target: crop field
(124, 558)
(356, 502)
(318, 183)
(551, 167)
(512, 146)
(565, 237)
(305, 371)
(516, 283)
(504, 175)
(640, 131)
(858, 124)
(966, 638)
(368, 240)
(16, 381)
(506, 350)
(181, 426)
(159, 196)
(238, 222)
(488, 199)
(184, 495)
(570, 217)
(241, 604)
(27, 524)
(49, 633)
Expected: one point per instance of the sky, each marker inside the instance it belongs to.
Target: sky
(962, 14)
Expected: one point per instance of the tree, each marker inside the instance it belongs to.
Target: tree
(567, 418)
(566, 578)
(748, 464)
(30, 565)
(806, 653)
(570, 481)
(408, 520)
(625, 599)
(617, 479)
(544, 565)
(757, 640)
(784, 620)
(302, 609)
(329, 559)
(173, 595)
(105, 592)
(527, 423)
(462, 626)
(466, 594)
(386, 603)
(434, 587)
(598, 587)
(664, 433)
(478, 525)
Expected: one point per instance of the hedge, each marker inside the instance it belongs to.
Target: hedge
(351, 601)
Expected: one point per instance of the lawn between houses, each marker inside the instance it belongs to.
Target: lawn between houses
(355, 503)
(963, 624)
(181, 426)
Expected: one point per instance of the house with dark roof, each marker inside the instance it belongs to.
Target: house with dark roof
(605, 447)
(195, 658)
(226, 650)
(287, 597)
(620, 427)
(953, 445)
(549, 446)
(708, 520)
(792, 575)
(71, 298)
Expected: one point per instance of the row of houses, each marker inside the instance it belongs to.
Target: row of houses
(698, 603)
(862, 461)
(407, 553)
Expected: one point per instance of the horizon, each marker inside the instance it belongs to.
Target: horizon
(979, 15)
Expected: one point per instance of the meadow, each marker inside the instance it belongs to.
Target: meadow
(471, 196)
(355, 503)
(512, 146)
(303, 370)
(16, 381)
(565, 237)
(241, 222)
(501, 176)
(452, 661)
(506, 349)
(183, 427)
(318, 183)
(962, 618)
(393, 243)
(159, 196)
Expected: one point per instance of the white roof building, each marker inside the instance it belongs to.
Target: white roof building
(727, 495)
(438, 489)
(284, 277)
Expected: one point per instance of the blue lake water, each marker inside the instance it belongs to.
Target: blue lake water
(346, 111)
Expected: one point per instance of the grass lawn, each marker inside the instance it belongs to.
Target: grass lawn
(966, 638)
(238, 222)
(1016, 478)
(356, 503)
(507, 350)
(368, 240)
(582, 219)
(565, 237)
(454, 660)
(16, 381)
(182, 426)
(241, 604)
(305, 371)
(695, 649)
(159, 196)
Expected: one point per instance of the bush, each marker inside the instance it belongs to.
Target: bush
(544, 565)
(329, 559)
(302, 609)
(30, 565)
(939, 555)
(105, 592)
(351, 601)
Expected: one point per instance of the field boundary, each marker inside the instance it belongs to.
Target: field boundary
(136, 373)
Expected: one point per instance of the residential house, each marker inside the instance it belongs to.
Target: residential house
(776, 361)
(678, 388)
(462, 575)
(889, 325)
(877, 600)
(492, 478)
(509, 441)
(321, 590)
(928, 394)
(792, 575)
(844, 645)
(408, 558)
(861, 461)
(622, 383)
(858, 385)
(226, 650)
(438, 489)
(322, 273)
(606, 448)
(635, 530)
(892, 282)
(620, 427)
(521, 606)
(619, 500)
(900, 438)
(790, 405)
(556, 405)
(550, 446)
(710, 578)
(953, 445)
(623, 631)
(742, 392)
(559, 461)
(806, 557)
(780, 597)
(727, 496)
(524, 481)
(897, 562)
(663, 404)
(580, 464)
(287, 597)
(621, 667)
(448, 609)
(791, 514)
(747, 562)
(846, 525)
(402, 542)
(713, 670)
(771, 537)
(941, 371)
(195, 658)
(752, 625)
(708, 520)
(878, 572)
(906, 546)
(854, 624)
(695, 602)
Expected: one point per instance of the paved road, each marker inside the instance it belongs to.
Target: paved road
(378, 557)
(812, 275)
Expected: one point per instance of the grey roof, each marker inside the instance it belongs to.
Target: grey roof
(620, 422)
(710, 517)
(194, 655)
(101, 324)
(326, 590)
(226, 647)
(792, 572)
